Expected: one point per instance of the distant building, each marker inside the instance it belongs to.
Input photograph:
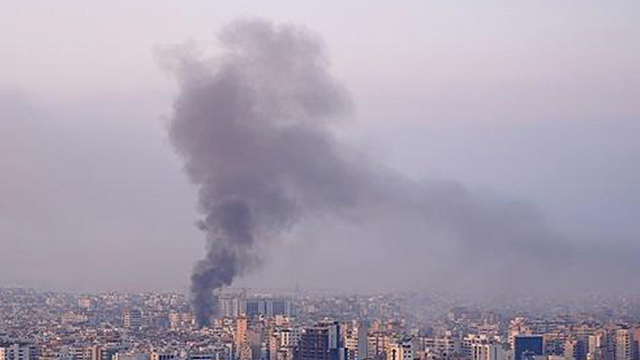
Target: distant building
(229, 305)
(163, 356)
(444, 347)
(86, 303)
(241, 331)
(529, 345)
(377, 345)
(626, 346)
(400, 350)
(134, 355)
(17, 351)
(267, 307)
(489, 352)
(132, 319)
(322, 342)
(103, 353)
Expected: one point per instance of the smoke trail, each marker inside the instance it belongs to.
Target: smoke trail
(252, 127)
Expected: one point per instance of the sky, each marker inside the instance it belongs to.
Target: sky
(535, 102)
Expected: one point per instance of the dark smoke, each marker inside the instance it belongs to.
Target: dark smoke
(252, 126)
(255, 125)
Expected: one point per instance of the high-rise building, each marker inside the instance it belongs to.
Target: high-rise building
(527, 345)
(377, 345)
(102, 353)
(351, 345)
(355, 340)
(17, 350)
(625, 345)
(267, 307)
(155, 355)
(400, 350)
(322, 342)
(132, 319)
(241, 331)
(570, 349)
(229, 305)
(443, 347)
(362, 341)
(489, 351)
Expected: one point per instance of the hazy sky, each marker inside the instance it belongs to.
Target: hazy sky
(536, 101)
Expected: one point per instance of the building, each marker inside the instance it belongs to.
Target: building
(17, 350)
(625, 345)
(322, 342)
(240, 336)
(163, 356)
(400, 350)
(103, 353)
(266, 307)
(132, 319)
(443, 347)
(377, 345)
(230, 305)
(527, 345)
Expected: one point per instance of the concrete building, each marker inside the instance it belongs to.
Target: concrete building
(625, 345)
(163, 356)
(132, 319)
(10, 350)
(266, 307)
(442, 347)
(527, 345)
(401, 349)
(321, 342)
(489, 352)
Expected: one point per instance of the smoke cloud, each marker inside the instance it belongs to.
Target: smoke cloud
(256, 126)
(252, 126)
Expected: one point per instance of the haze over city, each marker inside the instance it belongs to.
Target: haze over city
(364, 147)
(306, 180)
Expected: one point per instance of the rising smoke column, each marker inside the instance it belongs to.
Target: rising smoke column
(252, 126)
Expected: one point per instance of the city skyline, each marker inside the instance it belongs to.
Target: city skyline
(519, 120)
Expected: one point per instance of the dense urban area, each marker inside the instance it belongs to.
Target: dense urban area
(38, 325)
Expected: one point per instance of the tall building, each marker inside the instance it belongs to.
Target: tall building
(625, 345)
(267, 307)
(102, 353)
(443, 347)
(355, 340)
(279, 307)
(377, 345)
(570, 349)
(241, 331)
(489, 352)
(155, 355)
(362, 341)
(132, 319)
(229, 305)
(351, 345)
(400, 350)
(322, 342)
(16, 350)
(290, 337)
(527, 345)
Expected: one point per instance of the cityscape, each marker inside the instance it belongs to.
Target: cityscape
(319, 180)
(36, 325)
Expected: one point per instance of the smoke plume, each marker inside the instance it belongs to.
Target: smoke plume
(252, 127)
(255, 127)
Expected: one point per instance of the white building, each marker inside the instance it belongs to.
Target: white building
(400, 350)
(490, 352)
